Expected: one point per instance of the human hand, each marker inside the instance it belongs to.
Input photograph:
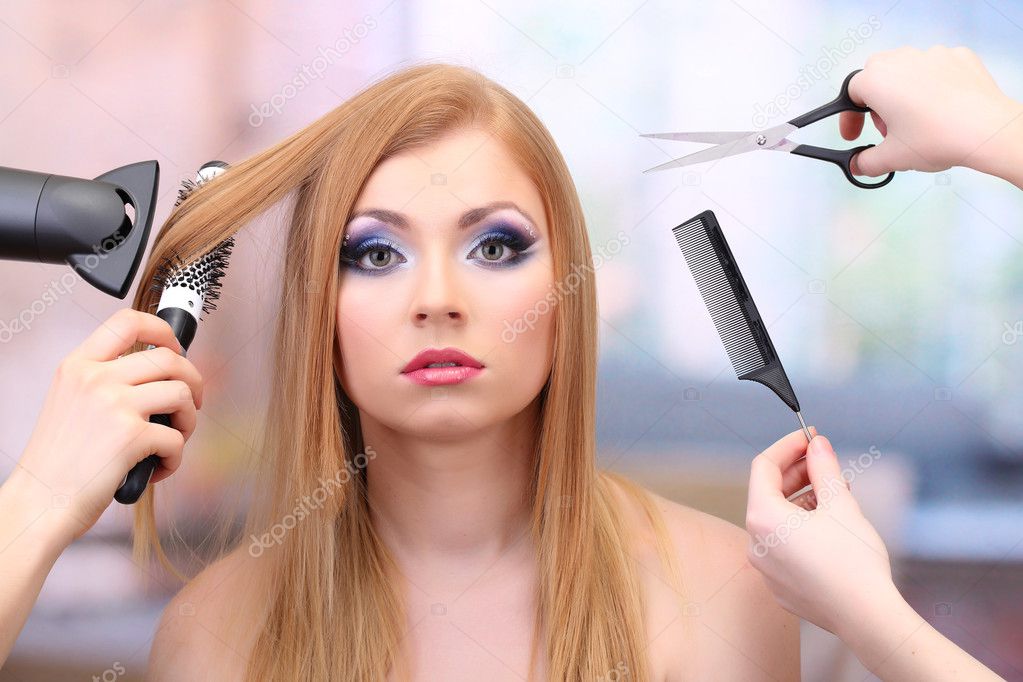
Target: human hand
(827, 565)
(94, 425)
(936, 109)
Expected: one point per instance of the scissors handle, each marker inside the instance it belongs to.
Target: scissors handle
(841, 103)
(841, 158)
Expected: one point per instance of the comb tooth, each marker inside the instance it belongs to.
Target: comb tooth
(717, 293)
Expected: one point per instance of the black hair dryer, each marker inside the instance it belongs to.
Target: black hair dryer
(99, 227)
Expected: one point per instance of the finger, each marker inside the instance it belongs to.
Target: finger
(795, 477)
(121, 331)
(850, 124)
(858, 89)
(874, 161)
(879, 123)
(766, 480)
(157, 364)
(166, 443)
(829, 485)
(166, 397)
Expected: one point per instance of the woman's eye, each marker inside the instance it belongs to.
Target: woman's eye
(499, 249)
(378, 258)
(373, 257)
(492, 251)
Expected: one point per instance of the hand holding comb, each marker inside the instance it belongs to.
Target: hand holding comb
(734, 313)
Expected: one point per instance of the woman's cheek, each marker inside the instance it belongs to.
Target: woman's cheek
(363, 320)
(520, 311)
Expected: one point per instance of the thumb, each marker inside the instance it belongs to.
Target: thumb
(874, 161)
(825, 472)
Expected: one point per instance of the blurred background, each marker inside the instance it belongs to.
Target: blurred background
(898, 313)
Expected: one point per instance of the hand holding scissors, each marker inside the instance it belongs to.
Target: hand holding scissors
(730, 143)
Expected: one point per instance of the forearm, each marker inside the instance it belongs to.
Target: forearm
(896, 643)
(1001, 154)
(29, 546)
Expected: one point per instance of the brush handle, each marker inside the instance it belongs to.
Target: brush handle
(134, 484)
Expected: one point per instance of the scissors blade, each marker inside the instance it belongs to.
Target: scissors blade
(712, 137)
(720, 151)
(772, 138)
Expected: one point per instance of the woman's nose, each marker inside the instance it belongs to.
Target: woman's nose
(438, 295)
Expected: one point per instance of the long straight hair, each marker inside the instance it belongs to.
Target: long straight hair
(335, 609)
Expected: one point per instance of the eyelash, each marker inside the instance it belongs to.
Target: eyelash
(352, 259)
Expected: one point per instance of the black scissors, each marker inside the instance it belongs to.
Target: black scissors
(729, 143)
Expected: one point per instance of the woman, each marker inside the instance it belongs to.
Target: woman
(474, 538)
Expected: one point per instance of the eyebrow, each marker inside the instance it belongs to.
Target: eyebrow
(470, 217)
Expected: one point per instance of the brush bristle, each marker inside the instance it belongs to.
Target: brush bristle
(203, 275)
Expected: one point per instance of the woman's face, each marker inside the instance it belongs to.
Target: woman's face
(449, 247)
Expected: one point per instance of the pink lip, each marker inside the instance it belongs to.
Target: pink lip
(431, 355)
(417, 369)
(439, 376)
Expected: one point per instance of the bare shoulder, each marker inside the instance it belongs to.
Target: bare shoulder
(726, 624)
(209, 627)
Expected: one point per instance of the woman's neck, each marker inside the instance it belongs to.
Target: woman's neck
(462, 496)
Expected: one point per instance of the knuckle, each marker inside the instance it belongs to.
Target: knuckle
(128, 316)
(755, 522)
(750, 520)
(125, 422)
(68, 369)
(166, 357)
(107, 398)
(183, 390)
(89, 377)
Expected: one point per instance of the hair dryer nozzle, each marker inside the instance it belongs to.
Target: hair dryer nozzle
(85, 223)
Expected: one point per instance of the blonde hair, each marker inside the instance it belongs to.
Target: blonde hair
(334, 611)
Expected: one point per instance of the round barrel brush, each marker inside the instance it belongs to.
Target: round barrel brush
(188, 292)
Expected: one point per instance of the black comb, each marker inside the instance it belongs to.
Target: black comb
(732, 308)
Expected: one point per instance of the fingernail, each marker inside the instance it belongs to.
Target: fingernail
(819, 445)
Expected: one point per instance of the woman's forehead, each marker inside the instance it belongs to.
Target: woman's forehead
(449, 177)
